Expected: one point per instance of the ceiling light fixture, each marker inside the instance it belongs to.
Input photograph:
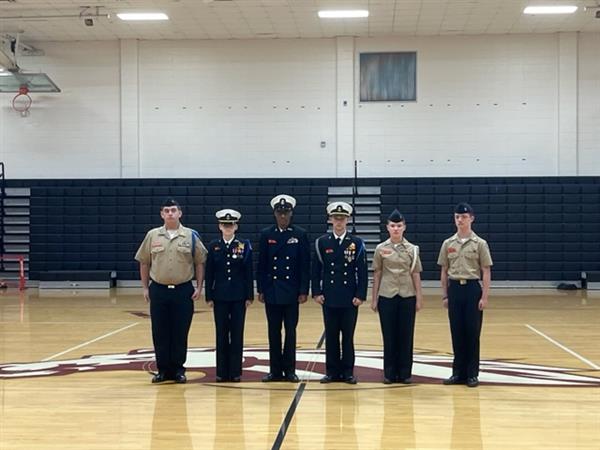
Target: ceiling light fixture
(343, 14)
(550, 9)
(142, 16)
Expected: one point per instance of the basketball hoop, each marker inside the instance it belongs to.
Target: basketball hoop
(22, 101)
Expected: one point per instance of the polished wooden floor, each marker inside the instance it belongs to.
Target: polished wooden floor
(73, 376)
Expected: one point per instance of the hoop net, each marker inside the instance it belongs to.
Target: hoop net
(16, 279)
(22, 101)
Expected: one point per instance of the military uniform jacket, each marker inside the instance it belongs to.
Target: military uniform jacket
(465, 260)
(283, 271)
(340, 271)
(228, 275)
(171, 261)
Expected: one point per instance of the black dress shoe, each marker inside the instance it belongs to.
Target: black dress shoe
(326, 379)
(220, 379)
(405, 380)
(472, 381)
(350, 380)
(387, 381)
(271, 377)
(292, 378)
(180, 378)
(159, 378)
(454, 379)
(236, 379)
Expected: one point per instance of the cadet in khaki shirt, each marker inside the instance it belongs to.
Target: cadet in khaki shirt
(170, 256)
(397, 296)
(465, 258)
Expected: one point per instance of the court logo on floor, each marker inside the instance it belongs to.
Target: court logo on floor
(428, 367)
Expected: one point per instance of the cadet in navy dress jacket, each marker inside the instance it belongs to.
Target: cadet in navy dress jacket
(339, 283)
(229, 290)
(283, 282)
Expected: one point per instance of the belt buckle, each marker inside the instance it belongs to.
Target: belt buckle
(463, 282)
(171, 286)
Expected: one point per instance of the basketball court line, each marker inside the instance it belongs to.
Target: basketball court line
(566, 349)
(91, 341)
(295, 401)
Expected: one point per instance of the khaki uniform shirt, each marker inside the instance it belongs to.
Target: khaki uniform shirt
(464, 261)
(170, 260)
(394, 261)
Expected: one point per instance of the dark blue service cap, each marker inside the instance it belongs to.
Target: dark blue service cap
(463, 208)
(169, 202)
(395, 216)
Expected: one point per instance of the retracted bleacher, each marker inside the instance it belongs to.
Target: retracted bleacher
(540, 229)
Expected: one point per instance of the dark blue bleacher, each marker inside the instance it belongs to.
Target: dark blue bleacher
(539, 228)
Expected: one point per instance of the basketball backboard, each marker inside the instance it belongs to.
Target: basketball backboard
(35, 82)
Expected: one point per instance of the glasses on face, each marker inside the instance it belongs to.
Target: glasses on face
(171, 209)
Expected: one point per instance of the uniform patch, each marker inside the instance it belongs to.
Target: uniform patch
(386, 252)
(292, 240)
(451, 250)
(157, 244)
(328, 250)
(272, 241)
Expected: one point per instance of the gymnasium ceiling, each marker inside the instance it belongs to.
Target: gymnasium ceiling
(269, 19)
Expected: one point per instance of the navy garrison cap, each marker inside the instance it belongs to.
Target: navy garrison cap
(395, 216)
(463, 208)
(169, 202)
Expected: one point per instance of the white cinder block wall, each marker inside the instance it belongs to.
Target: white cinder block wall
(74, 134)
(237, 108)
(486, 105)
(588, 130)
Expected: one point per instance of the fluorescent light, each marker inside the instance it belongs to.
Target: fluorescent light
(142, 16)
(550, 10)
(343, 14)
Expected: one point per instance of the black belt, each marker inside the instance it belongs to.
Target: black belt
(171, 286)
(464, 282)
